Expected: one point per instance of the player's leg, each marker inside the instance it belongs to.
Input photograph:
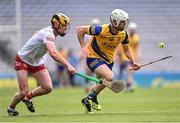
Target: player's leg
(103, 71)
(89, 85)
(44, 80)
(22, 77)
(130, 83)
(122, 67)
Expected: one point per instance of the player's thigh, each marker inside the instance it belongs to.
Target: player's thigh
(103, 71)
(43, 78)
(88, 71)
(22, 77)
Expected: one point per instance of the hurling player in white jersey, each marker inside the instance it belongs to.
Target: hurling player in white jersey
(30, 59)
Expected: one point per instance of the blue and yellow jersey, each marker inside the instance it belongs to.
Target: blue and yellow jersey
(103, 43)
(133, 44)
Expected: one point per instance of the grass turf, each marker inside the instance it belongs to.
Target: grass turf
(144, 105)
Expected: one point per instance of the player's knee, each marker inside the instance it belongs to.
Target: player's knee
(23, 93)
(48, 90)
(110, 77)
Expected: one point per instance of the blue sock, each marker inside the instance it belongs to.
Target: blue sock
(91, 95)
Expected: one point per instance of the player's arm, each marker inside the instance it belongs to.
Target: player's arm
(81, 31)
(130, 56)
(58, 57)
(90, 30)
(129, 53)
(117, 55)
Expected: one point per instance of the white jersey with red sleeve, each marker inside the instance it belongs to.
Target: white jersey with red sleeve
(34, 49)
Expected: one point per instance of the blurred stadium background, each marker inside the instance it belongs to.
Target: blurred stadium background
(158, 20)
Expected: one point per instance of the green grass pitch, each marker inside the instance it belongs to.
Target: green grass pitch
(144, 105)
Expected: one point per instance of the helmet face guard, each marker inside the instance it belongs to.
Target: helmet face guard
(63, 30)
(61, 23)
(118, 16)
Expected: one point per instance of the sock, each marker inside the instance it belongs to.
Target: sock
(12, 106)
(128, 85)
(92, 95)
(29, 96)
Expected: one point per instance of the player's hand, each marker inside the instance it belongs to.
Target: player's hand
(136, 66)
(85, 52)
(71, 69)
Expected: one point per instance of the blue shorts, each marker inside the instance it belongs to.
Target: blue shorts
(93, 63)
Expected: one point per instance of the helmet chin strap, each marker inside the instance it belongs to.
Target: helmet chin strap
(61, 34)
(117, 28)
(114, 25)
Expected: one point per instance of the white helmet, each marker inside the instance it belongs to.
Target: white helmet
(118, 15)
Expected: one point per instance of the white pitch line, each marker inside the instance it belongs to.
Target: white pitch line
(139, 112)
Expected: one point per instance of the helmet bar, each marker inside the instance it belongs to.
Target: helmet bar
(60, 21)
(119, 15)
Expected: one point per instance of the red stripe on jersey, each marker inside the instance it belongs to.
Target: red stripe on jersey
(50, 39)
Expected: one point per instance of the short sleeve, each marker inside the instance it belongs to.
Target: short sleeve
(95, 30)
(49, 38)
(126, 40)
